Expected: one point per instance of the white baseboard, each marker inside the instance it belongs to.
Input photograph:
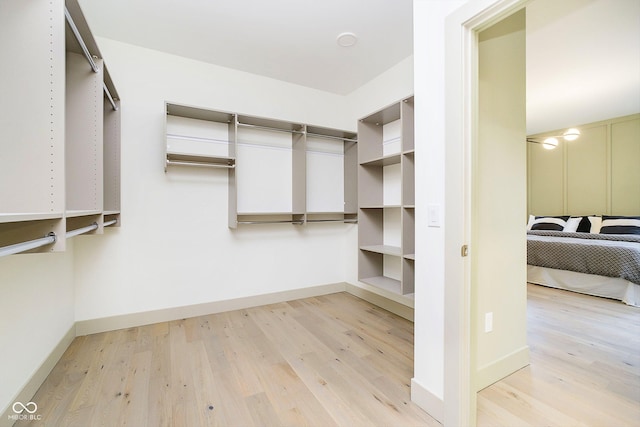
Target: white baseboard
(33, 384)
(112, 323)
(503, 367)
(429, 402)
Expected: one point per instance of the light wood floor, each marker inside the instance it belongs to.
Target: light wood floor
(585, 366)
(324, 361)
(337, 360)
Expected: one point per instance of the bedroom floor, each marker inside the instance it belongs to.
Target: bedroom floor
(585, 366)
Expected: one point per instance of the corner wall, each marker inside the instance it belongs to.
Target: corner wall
(174, 247)
(36, 317)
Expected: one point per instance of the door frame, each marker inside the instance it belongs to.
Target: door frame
(461, 124)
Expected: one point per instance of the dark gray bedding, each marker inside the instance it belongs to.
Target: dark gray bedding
(602, 254)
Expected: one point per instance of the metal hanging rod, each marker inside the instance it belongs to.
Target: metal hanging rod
(109, 223)
(82, 230)
(317, 135)
(333, 220)
(199, 164)
(76, 33)
(49, 239)
(271, 129)
(272, 222)
(109, 97)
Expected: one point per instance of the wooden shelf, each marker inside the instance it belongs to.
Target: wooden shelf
(383, 282)
(19, 217)
(386, 193)
(383, 249)
(382, 161)
(186, 159)
(79, 213)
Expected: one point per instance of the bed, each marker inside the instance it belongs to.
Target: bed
(605, 265)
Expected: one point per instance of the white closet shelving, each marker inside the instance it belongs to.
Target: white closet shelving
(60, 164)
(386, 198)
(279, 171)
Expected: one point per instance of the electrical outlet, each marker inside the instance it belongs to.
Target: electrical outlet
(488, 322)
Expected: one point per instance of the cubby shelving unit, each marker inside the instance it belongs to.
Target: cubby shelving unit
(279, 172)
(53, 168)
(386, 196)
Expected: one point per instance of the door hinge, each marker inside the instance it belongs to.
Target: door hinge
(464, 250)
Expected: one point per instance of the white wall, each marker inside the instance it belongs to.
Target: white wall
(36, 312)
(174, 247)
(429, 55)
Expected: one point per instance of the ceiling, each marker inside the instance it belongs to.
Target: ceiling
(290, 40)
(583, 56)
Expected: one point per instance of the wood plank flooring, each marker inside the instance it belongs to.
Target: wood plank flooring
(585, 366)
(334, 360)
(338, 360)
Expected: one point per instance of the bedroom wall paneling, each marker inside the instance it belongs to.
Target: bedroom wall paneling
(547, 179)
(625, 173)
(587, 174)
(594, 175)
(386, 198)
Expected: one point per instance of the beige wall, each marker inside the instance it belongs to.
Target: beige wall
(498, 247)
(596, 174)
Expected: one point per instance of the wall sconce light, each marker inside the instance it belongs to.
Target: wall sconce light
(551, 142)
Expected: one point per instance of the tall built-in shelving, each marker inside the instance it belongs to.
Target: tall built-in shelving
(278, 171)
(54, 129)
(386, 196)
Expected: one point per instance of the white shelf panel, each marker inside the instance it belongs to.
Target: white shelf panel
(17, 217)
(383, 249)
(78, 213)
(410, 256)
(383, 282)
(383, 160)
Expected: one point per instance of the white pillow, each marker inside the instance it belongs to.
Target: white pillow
(532, 219)
(596, 224)
(572, 224)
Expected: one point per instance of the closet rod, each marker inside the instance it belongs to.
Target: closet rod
(27, 246)
(76, 33)
(272, 222)
(109, 223)
(270, 128)
(317, 135)
(333, 220)
(82, 230)
(199, 164)
(109, 97)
